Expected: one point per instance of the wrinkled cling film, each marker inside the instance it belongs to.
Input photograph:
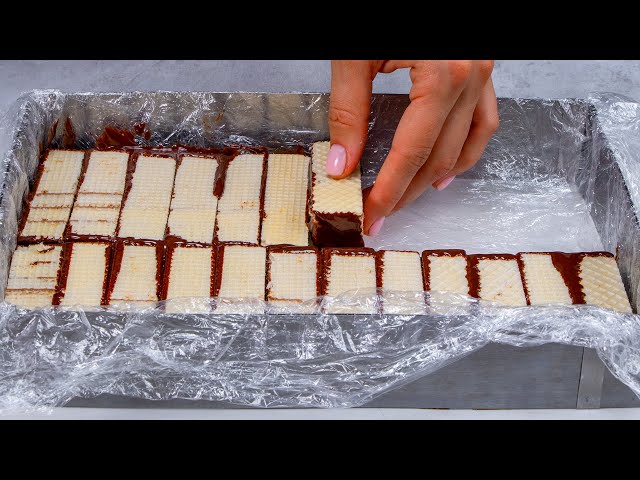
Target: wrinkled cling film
(558, 175)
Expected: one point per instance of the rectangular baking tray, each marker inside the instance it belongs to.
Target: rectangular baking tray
(536, 138)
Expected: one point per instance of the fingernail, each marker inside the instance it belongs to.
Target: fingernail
(445, 183)
(336, 160)
(375, 227)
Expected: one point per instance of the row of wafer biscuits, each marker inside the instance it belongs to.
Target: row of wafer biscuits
(291, 279)
(257, 198)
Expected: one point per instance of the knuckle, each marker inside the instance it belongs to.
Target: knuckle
(443, 167)
(485, 68)
(342, 116)
(459, 71)
(493, 123)
(465, 163)
(383, 200)
(422, 65)
(413, 157)
(488, 124)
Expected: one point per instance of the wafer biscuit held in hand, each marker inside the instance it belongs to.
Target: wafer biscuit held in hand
(543, 282)
(97, 206)
(285, 201)
(33, 275)
(240, 275)
(335, 207)
(134, 276)
(84, 278)
(188, 274)
(238, 218)
(194, 205)
(601, 282)
(51, 205)
(400, 277)
(292, 279)
(350, 275)
(497, 279)
(146, 206)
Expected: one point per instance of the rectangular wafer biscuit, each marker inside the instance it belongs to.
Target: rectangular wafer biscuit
(135, 274)
(84, 274)
(445, 278)
(496, 278)
(445, 271)
(97, 206)
(335, 207)
(193, 207)
(400, 277)
(239, 208)
(601, 281)
(33, 275)
(542, 279)
(188, 278)
(50, 205)
(292, 279)
(240, 275)
(350, 275)
(146, 205)
(285, 201)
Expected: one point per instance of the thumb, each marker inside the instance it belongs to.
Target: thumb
(349, 107)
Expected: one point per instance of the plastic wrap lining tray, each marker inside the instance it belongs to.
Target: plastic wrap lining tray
(546, 143)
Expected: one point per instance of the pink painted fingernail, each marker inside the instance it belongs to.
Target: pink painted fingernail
(336, 160)
(445, 183)
(375, 227)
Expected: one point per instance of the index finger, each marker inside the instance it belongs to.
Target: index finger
(349, 107)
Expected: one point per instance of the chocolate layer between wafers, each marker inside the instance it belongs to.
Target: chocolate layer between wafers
(33, 275)
(50, 203)
(335, 206)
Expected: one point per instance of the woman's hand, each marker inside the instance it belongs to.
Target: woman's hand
(452, 115)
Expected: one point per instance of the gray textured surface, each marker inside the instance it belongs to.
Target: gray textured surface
(512, 78)
(336, 414)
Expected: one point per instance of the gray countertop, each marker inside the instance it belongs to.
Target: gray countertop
(512, 78)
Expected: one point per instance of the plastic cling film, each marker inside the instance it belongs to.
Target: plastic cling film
(558, 175)
(50, 357)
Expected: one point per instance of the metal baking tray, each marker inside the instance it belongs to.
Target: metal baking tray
(537, 138)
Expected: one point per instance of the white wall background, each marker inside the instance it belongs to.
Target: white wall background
(512, 78)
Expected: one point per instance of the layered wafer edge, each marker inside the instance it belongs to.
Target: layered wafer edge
(334, 226)
(64, 211)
